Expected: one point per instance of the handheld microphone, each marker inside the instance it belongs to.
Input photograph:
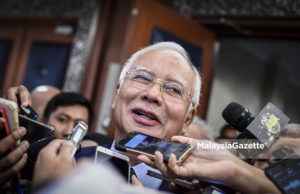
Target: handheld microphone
(263, 129)
(237, 116)
(32, 152)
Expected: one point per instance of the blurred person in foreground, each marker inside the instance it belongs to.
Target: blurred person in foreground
(40, 96)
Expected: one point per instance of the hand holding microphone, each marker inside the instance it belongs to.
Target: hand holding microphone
(262, 129)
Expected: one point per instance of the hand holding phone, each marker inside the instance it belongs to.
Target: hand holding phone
(28, 111)
(139, 143)
(9, 111)
(117, 160)
(35, 130)
(181, 182)
(12, 160)
(53, 162)
(285, 174)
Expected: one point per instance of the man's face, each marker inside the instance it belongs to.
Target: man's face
(64, 118)
(151, 111)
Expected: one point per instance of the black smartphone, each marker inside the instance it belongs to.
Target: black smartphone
(139, 143)
(34, 129)
(119, 161)
(285, 175)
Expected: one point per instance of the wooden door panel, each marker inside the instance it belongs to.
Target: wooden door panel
(15, 35)
(34, 34)
(148, 14)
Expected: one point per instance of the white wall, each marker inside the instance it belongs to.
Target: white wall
(108, 94)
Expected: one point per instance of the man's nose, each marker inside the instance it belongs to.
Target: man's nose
(68, 130)
(154, 94)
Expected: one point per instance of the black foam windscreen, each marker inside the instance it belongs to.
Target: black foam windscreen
(32, 153)
(237, 116)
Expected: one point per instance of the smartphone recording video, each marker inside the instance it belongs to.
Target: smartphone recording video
(34, 129)
(9, 112)
(285, 174)
(140, 143)
(119, 161)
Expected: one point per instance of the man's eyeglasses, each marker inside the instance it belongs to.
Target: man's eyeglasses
(145, 81)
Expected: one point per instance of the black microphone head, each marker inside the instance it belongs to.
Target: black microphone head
(32, 153)
(237, 116)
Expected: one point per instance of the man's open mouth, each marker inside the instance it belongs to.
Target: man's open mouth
(147, 115)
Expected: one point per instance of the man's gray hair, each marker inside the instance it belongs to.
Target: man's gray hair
(172, 46)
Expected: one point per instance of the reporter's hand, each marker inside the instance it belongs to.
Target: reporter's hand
(198, 187)
(206, 157)
(285, 142)
(53, 161)
(136, 181)
(13, 162)
(213, 165)
(23, 93)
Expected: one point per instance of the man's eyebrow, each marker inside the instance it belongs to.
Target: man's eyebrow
(64, 114)
(142, 68)
(173, 78)
(179, 80)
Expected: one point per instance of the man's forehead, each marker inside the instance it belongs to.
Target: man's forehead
(162, 53)
(175, 66)
(169, 57)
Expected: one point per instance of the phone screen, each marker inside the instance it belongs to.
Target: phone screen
(119, 161)
(35, 130)
(149, 144)
(285, 174)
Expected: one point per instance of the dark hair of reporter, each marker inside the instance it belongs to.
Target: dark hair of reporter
(68, 99)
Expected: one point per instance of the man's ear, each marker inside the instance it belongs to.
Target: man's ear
(115, 97)
(190, 117)
(188, 121)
